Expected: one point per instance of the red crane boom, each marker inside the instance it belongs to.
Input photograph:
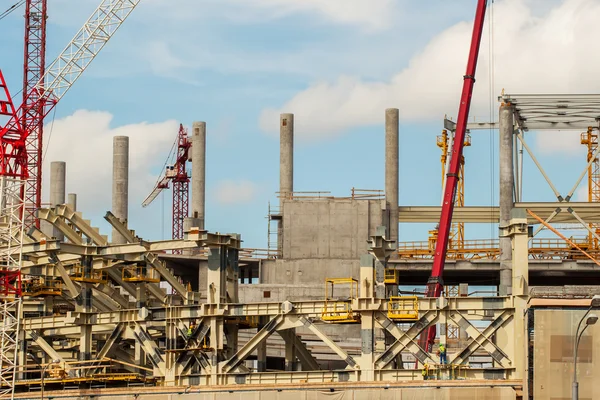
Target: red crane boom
(435, 284)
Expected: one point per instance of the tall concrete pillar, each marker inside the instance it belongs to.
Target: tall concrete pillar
(72, 201)
(286, 155)
(392, 170)
(198, 172)
(120, 189)
(507, 184)
(58, 174)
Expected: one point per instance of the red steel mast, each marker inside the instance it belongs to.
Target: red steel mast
(435, 284)
(181, 182)
(34, 67)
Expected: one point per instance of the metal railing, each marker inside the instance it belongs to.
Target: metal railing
(540, 249)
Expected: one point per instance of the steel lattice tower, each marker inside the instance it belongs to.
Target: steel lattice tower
(181, 182)
(34, 67)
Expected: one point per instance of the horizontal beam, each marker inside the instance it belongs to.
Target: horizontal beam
(491, 214)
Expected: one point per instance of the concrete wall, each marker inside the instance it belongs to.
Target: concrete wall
(553, 355)
(329, 228)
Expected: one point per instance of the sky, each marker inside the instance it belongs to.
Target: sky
(337, 65)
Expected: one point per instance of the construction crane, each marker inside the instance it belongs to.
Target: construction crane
(15, 164)
(590, 139)
(42, 95)
(34, 68)
(181, 180)
(435, 283)
(457, 232)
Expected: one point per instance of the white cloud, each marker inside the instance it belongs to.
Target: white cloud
(560, 142)
(235, 192)
(84, 141)
(532, 54)
(373, 15)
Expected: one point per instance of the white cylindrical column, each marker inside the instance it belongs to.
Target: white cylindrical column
(507, 183)
(286, 155)
(58, 174)
(392, 168)
(72, 201)
(120, 190)
(199, 172)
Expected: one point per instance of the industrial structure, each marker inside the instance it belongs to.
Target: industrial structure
(326, 311)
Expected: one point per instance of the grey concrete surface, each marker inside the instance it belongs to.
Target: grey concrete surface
(506, 190)
(286, 155)
(329, 228)
(392, 168)
(198, 203)
(72, 201)
(120, 189)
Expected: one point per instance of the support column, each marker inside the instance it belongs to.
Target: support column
(507, 184)
(120, 190)
(58, 171)
(515, 341)
(392, 171)
(72, 201)
(198, 172)
(286, 169)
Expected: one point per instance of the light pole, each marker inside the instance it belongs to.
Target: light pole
(43, 373)
(591, 320)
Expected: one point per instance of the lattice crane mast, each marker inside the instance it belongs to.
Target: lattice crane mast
(23, 129)
(20, 150)
(435, 283)
(178, 174)
(34, 68)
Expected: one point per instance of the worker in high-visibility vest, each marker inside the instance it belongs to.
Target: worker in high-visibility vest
(425, 371)
(442, 352)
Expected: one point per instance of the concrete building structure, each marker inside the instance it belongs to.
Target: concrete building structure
(219, 318)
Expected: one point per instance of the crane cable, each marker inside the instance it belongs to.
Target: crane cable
(11, 9)
(491, 109)
(168, 158)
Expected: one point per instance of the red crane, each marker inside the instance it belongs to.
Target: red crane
(178, 174)
(34, 67)
(435, 284)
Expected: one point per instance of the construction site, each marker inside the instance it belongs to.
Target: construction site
(335, 307)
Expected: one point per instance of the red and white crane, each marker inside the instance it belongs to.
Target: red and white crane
(435, 284)
(181, 180)
(21, 151)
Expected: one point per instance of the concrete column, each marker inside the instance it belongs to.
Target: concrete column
(392, 170)
(58, 174)
(507, 184)
(198, 172)
(286, 155)
(120, 190)
(72, 201)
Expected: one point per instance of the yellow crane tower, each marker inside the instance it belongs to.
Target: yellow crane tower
(590, 139)
(457, 233)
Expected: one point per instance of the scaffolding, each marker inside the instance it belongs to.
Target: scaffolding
(274, 245)
(11, 237)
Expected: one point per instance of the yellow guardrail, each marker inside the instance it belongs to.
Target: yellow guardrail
(403, 307)
(137, 273)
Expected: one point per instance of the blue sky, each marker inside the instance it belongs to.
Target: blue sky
(237, 64)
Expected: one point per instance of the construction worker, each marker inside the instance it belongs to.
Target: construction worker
(425, 371)
(442, 353)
